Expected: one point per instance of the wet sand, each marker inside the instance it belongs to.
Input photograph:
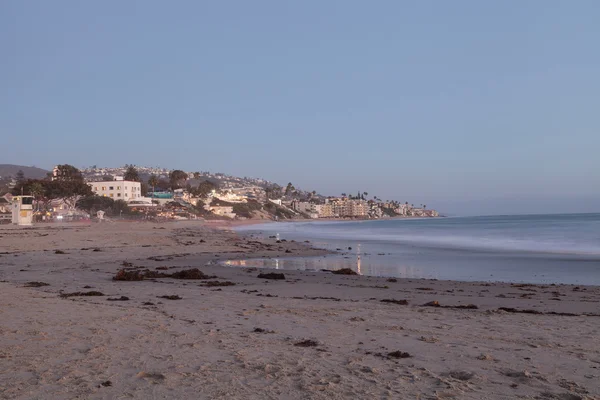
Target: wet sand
(312, 335)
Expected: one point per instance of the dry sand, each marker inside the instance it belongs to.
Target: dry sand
(314, 335)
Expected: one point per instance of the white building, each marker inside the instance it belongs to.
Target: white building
(117, 189)
(313, 210)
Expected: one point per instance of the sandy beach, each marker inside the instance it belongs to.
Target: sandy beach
(233, 335)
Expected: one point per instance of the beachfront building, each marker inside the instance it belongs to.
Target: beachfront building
(311, 209)
(343, 207)
(118, 189)
(326, 211)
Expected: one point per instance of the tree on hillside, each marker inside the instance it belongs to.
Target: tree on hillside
(20, 176)
(131, 174)
(68, 185)
(273, 192)
(69, 191)
(153, 181)
(196, 175)
(365, 194)
(204, 188)
(32, 187)
(177, 179)
(38, 191)
(163, 184)
(66, 172)
(289, 189)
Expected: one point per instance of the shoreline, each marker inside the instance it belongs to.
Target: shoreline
(480, 340)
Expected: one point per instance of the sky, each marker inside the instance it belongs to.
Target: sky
(471, 107)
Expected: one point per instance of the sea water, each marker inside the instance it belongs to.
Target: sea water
(560, 248)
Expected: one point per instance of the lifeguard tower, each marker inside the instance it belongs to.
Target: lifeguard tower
(22, 210)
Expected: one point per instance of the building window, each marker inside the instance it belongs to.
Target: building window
(103, 187)
(118, 187)
(96, 188)
(111, 188)
(125, 187)
(111, 195)
(125, 194)
(118, 194)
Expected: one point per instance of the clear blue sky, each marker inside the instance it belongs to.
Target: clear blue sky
(468, 106)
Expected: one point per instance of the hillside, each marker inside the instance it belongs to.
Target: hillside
(10, 170)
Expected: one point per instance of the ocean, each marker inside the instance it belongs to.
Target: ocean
(557, 248)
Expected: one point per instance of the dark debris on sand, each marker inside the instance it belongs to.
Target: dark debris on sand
(123, 275)
(307, 343)
(272, 275)
(393, 301)
(344, 271)
(436, 303)
(122, 298)
(262, 330)
(399, 354)
(536, 312)
(217, 283)
(170, 297)
(394, 354)
(36, 284)
(192, 273)
(77, 294)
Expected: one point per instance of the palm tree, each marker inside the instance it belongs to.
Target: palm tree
(153, 181)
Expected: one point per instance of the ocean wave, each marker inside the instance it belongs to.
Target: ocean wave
(554, 240)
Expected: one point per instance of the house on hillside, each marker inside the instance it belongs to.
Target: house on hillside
(118, 189)
(223, 211)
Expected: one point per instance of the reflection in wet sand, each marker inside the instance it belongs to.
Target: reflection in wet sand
(363, 264)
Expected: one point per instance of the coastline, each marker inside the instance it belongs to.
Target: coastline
(206, 341)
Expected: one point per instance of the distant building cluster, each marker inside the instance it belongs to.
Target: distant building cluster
(344, 207)
(203, 193)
